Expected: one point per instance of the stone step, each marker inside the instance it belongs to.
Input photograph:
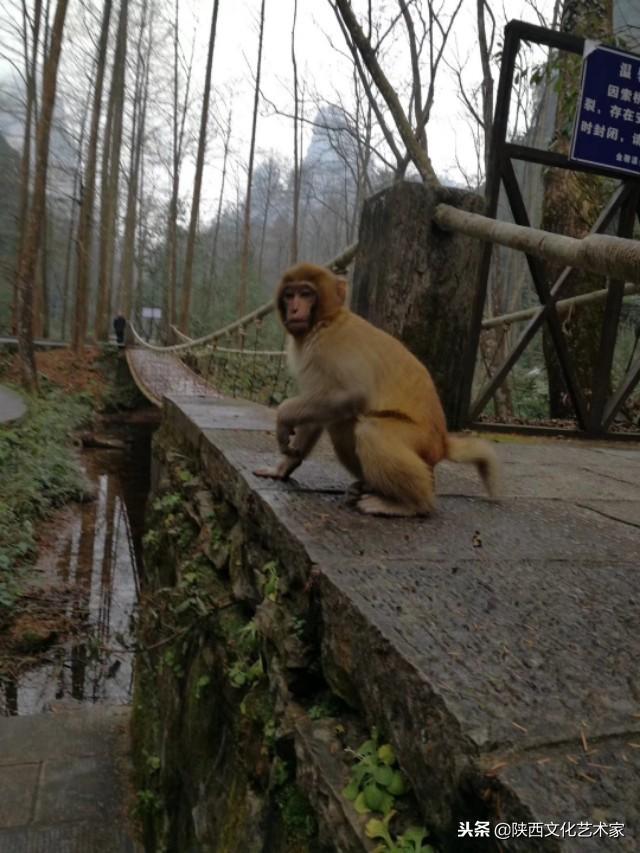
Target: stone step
(63, 778)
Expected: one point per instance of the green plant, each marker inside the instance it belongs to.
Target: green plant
(329, 707)
(299, 625)
(151, 540)
(40, 471)
(242, 674)
(170, 660)
(375, 779)
(201, 685)
(269, 731)
(375, 783)
(270, 587)
(147, 803)
(296, 813)
(410, 841)
(153, 762)
(168, 503)
(281, 772)
(247, 637)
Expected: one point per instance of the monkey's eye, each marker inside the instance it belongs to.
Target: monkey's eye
(306, 293)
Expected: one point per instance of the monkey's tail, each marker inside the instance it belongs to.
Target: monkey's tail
(481, 454)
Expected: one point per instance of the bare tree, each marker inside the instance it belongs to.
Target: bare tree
(34, 222)
(197, 183)
(140, 101)
(84, 240)
(213, 262)
(112, 145)
(271, 173)
(246, 230)
(30, 46)
(297, 132)
(412, 132)
(178, 120)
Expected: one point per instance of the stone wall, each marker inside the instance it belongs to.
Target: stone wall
(239, 742)
(469, 658)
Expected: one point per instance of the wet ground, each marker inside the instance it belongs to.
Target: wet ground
(80, 650)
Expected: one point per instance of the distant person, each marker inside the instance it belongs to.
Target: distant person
(119, 325)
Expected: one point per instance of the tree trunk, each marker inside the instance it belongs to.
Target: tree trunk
(177, 127)
(30, 69)
(265, 217)
(413, 280)
(197, 183)
(414, 149)
(246, 229)
(73, 213)
(33, 234)
(211, 279)
(111, 178)
(84, 242)
(297, 129)
(141, 95)
(41, 294)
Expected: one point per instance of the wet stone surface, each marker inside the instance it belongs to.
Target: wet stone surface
(61, 778)
(495, 644)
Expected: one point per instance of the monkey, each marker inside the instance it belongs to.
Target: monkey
(377, 402)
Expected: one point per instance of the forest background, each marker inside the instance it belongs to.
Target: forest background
(196, 149)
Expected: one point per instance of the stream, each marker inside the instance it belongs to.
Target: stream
(91, 563)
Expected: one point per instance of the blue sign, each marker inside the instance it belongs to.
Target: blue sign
(607, 128)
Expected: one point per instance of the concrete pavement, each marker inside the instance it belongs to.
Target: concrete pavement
(64, 785)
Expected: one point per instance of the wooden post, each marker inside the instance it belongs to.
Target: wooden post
(417, 281)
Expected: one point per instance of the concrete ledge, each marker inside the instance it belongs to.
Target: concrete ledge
(495, 645)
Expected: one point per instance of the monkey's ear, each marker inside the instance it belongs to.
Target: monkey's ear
(341, 290)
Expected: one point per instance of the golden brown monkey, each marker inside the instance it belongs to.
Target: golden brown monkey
(375, 399)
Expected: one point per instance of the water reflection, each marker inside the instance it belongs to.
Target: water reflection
(95, 553)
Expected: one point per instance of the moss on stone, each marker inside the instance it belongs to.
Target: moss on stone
(204, 742)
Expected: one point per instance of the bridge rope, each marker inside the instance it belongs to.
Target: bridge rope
(339, 264)
(251, 372)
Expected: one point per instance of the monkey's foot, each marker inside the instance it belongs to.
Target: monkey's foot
(275, 473)
(376, 505)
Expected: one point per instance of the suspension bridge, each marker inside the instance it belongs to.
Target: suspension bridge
(210, 366)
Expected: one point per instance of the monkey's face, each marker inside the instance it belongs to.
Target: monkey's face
(298, 302)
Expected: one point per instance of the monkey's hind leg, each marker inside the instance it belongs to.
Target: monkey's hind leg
(401, 481)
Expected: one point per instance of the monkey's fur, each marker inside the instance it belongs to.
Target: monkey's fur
(375, 399)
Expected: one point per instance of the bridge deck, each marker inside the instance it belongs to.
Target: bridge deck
(496, 645)
(158, 374)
